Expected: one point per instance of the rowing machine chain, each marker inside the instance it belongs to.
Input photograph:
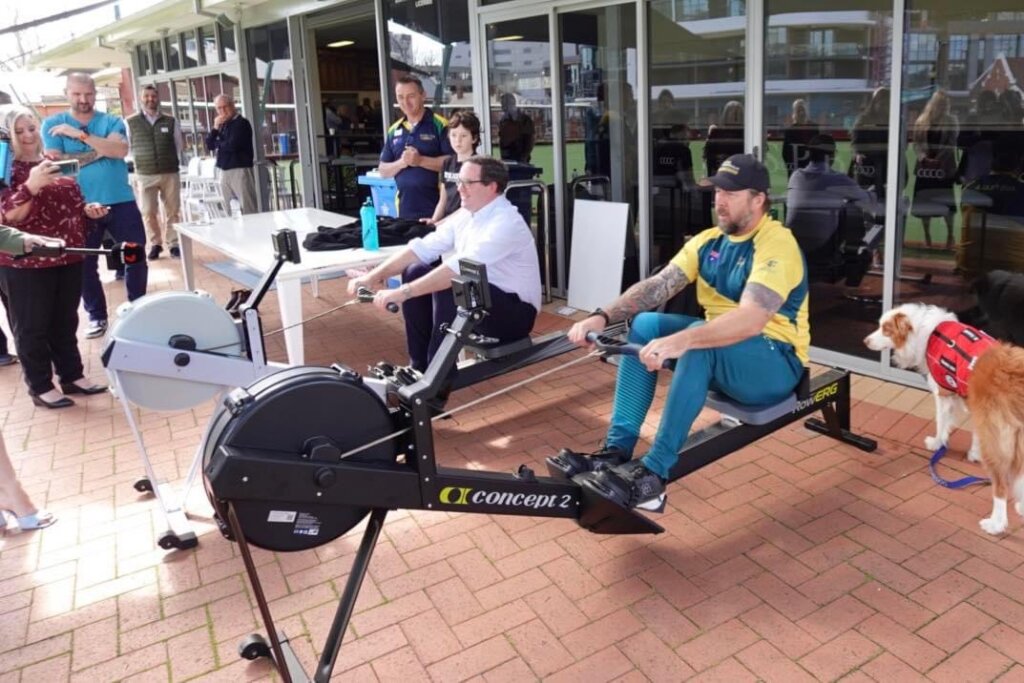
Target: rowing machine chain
(465, 406)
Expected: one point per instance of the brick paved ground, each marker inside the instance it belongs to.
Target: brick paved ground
(794, 559)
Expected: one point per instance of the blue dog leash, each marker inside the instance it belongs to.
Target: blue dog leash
(955, 484)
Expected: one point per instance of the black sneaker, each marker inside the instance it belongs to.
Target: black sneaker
(632, 485)
(155, 251)
(569, 463)
(175, 252)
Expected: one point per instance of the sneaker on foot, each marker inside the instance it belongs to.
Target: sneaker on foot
(118, 274)
(633, 485)
(570, 463)
(96, 328)
(7, 359)
(175, 252)
(155, 251)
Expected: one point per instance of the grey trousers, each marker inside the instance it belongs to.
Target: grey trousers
(240, 184)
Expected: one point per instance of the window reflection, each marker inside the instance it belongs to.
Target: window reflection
(962, 216)
(696, 73)
(826, 140)
(431, 42)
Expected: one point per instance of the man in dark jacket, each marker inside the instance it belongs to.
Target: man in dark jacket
(231, 139)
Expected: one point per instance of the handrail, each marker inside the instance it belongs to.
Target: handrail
(579, 180)
(542, 209)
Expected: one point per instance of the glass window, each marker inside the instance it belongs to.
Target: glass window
(963, 140)
(434, 46)
(826, 115)
(157, 51)
(275, 121)
(599, 67)
(173, 51)
(227, 43)
(164, 90)
(191, 53)
(186, 116)
(142, 52)
(208, 40)
(697, 83)
(202, 104)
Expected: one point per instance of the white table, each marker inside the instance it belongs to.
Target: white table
(247, 241)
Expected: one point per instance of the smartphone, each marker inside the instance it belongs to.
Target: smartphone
(67, 166)
(6, 163)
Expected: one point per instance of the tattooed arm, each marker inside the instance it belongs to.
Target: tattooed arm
(648, 294)
(642, 296)
(757, 306)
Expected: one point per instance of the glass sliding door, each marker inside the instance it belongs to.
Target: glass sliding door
(599, 78)
(697, 95)
(519, 115)
(826, 110)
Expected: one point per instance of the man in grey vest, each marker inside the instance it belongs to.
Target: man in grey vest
(155, 140)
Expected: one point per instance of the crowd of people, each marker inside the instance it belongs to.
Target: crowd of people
(756, 321)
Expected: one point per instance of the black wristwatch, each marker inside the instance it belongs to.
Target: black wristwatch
(598, 311)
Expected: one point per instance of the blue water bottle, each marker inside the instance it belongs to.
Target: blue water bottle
(368, 217)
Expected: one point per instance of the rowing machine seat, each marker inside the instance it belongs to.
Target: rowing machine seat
(763, 414)
(751, 415)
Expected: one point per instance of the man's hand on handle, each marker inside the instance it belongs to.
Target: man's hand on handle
(367, 280)
(578, 332)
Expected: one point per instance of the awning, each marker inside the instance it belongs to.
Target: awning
(111, 45)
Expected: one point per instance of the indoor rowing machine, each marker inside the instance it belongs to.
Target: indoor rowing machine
(300, 457)
(740, 425)
(176, 350)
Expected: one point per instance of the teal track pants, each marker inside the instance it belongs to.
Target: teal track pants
(756, 371)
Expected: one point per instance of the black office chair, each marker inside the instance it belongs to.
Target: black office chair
(831, 233)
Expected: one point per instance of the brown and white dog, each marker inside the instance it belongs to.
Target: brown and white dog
(994, 374)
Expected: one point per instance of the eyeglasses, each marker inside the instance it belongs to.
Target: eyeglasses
(459, 182)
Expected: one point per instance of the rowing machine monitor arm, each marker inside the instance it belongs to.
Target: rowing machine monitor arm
(286, 250)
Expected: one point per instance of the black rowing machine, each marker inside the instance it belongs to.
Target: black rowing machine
(300, 457)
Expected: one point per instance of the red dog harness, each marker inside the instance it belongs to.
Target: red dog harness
(953, 349)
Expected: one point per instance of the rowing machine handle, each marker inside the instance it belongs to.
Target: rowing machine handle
(120, 253)
(610, 346)
(46, 250)
(365, 295)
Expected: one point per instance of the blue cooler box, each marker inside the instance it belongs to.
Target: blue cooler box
(384, 192)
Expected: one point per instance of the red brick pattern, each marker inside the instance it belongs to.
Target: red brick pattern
(794, 559)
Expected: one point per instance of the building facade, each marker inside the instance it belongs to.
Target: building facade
(635, 102)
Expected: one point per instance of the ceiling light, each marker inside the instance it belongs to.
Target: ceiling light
(341, 43)
(507, 38)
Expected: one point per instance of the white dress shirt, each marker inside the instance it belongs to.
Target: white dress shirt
(496, 236)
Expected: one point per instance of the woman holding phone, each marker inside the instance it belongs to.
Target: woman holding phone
(44, 291)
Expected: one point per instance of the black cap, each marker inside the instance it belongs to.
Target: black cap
(741, 172)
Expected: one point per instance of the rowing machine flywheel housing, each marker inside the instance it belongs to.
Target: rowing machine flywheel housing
(307, 414)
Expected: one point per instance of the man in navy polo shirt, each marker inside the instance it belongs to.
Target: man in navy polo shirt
(415, 148)
(99, 142)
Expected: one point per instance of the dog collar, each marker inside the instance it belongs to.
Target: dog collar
(953, 349)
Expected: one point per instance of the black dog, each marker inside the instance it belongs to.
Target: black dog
(1000, 309)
